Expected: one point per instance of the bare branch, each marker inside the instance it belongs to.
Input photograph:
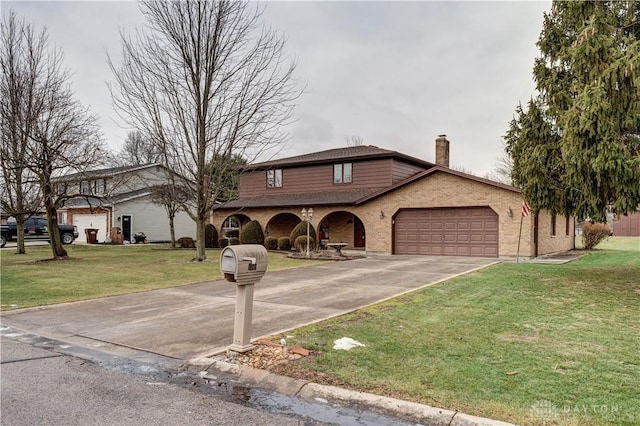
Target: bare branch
(208, 83)
(45, 131)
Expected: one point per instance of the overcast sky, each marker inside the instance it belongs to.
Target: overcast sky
(395, 73)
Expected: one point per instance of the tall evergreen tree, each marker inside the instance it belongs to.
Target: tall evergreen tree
(583, 130)
(534, 145)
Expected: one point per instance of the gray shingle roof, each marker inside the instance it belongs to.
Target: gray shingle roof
(106, 201)
(311, 198)
(341, 154)
(104, 173)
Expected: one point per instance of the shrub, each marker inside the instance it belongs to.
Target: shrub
(232, 233)
(186, 242)
(222, 242)
(284, 243)
(234, 241)
(252, 233)
(594, 233)
(210, 236)
(271, 243)
(301, 244)
(301, 229)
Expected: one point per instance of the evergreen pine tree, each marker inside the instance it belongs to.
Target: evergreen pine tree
(582, 133)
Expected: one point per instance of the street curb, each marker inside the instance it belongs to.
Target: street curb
(321, 393)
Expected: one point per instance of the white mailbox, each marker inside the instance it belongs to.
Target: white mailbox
(243, 264)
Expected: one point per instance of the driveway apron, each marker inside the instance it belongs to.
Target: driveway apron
(195, 320)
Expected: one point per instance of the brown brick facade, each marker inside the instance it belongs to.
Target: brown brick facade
(560, 241)
(439, 189)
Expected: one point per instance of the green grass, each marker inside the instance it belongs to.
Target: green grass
(98, 271)
(500, 341)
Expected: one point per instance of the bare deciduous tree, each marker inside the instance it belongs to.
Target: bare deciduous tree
(138, 149)
(172, 196)
(205, 80)
(59, 134)
(19, 190)
(503, 169)
(354, 140)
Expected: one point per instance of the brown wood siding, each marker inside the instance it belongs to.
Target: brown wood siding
(627, 226)
(402, 170)
(366, 174)
(447, 231)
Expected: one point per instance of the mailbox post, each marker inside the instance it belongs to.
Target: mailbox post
(243, 265)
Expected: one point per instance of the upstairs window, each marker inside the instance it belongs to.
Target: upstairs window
(61, 188)
(100, 186)
(85, 187)
(274, 178)
(342, 173)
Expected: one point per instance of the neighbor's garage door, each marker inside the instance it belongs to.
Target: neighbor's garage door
(447, 231)
(95, 221)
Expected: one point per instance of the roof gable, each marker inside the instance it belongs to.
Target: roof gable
(431, 171)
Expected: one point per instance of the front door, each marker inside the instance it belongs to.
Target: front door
(358, 234)
(126, 227)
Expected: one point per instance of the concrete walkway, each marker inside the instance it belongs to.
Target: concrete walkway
(196, 320)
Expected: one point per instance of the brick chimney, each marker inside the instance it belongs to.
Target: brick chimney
(442, 151)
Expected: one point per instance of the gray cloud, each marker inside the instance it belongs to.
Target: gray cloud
(396, 73)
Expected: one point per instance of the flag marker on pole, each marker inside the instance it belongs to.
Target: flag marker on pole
(525, 212)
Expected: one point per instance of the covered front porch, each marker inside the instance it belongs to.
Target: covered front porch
(332, 225)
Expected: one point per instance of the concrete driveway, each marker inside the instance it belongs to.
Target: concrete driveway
(196, 320)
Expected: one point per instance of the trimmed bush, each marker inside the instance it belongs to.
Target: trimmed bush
(186, 242)
(271, 243)
(594, 233)
(301, 229)
(284, 243)
(232, 233)
(252, 233)
(234, 241)
(301, 244)
(210, 236)
(222, 242)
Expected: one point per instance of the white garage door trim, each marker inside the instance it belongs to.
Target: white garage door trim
(97, 221)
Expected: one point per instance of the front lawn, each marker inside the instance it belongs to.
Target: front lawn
(525, 343)
(98, 271)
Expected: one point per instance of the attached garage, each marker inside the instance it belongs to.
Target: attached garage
(459, 231)
(96, 221)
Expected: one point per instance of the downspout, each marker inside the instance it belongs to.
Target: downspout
(535, 235)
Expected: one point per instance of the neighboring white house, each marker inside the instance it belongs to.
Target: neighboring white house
(120, 197)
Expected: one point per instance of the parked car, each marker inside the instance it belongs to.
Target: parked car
(35, 228)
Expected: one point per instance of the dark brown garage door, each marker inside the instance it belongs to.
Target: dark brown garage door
(469, 231)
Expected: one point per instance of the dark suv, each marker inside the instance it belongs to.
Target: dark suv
(36, 228)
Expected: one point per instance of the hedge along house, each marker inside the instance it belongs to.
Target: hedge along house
(383, 201)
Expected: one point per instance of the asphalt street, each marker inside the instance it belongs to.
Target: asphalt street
(44, 387)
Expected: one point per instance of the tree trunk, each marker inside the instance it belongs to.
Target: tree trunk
(20, 234)
(54, 233)
(52, 216)
(172, 230)
(200, 243)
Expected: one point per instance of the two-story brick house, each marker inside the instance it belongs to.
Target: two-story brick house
(120, 197)
(384, 201)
